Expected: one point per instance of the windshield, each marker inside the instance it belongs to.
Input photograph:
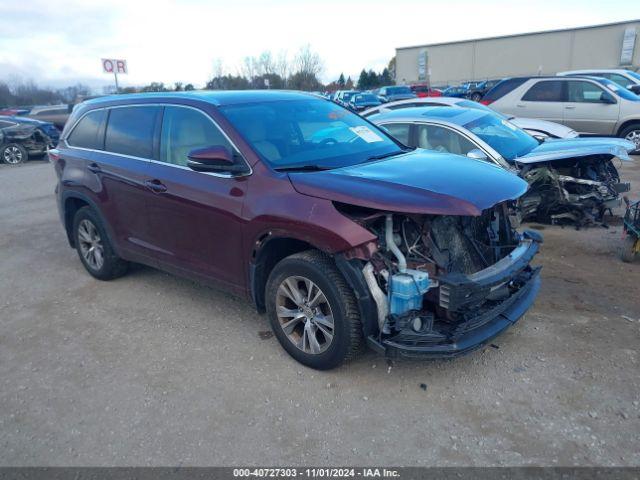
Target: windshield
(347, 95)
(504, 137)
(309, 132)
(398, 90)
(618, 90)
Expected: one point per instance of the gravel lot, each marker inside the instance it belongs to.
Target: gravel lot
(155, 370)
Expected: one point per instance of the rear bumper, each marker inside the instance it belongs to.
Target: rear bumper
(467, 296)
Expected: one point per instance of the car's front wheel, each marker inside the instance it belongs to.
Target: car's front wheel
(476, 97)
(93, 246)
(14, 154)
(312, 311)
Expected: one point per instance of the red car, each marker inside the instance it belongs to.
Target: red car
(425, 91)
(341, 234)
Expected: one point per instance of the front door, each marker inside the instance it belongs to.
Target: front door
(195, 218)
(587, 110)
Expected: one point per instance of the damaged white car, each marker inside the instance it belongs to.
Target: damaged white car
(571, 180)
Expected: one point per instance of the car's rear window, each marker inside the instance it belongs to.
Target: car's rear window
(502, 88)
(86, 134)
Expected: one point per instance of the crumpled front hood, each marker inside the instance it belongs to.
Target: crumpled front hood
(416, 182)
(561, 148)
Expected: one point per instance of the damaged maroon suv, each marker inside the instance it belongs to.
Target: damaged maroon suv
(344, 236)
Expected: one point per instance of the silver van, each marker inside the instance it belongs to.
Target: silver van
(589, 105)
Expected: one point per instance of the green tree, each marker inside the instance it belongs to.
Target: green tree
(385, 78)
(341, 81)
(349, 84)
(363, 80)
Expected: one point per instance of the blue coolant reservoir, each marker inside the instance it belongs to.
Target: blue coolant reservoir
(406, 290)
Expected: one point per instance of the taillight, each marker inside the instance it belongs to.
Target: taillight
(54, 155)
(485, 102)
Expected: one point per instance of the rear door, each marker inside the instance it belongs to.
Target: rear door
(586, 111)
(543, 100)
(194, 217)
(119, 172)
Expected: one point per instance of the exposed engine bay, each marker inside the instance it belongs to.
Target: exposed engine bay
(575, 191)
(436, 278)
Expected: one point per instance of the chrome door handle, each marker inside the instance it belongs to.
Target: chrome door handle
(570, 107)
(94, 168)
(156, 186)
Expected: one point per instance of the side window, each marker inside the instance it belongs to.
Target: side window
(130, 131)
(4, 124)
(583, 92)
(87, 133)
(399, 131)
(546, 91)
(184, 129)
(441, 139)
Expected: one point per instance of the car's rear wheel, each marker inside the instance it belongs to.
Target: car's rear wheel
(14, 154)
(476, 97)
(93, 246)
(632, 133)
(312, 311)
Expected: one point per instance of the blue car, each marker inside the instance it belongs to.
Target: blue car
(457, 92)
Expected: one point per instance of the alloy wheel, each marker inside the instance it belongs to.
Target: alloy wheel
(634, 136)
(90, 244)
(304, 314)
(12, 155)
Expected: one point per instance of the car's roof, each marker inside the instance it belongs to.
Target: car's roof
(596, 70)
(214, 97)
(456, 115)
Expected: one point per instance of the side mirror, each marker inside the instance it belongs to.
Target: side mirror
(477, 154)
(213, 159)
(635, 88)
(605, 97)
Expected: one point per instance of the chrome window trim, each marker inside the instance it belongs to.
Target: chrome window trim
(152, 160)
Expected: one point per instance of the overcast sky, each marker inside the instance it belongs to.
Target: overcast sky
(60, 42)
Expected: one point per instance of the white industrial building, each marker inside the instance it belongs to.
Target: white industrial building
(611, 45)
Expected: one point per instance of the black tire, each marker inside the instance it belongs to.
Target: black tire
(476, 97)
(634, 127)
(112, 266)
(627, 249)
(347, 340)
(14, 151)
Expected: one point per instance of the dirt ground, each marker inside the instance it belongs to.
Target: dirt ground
(155, 370)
